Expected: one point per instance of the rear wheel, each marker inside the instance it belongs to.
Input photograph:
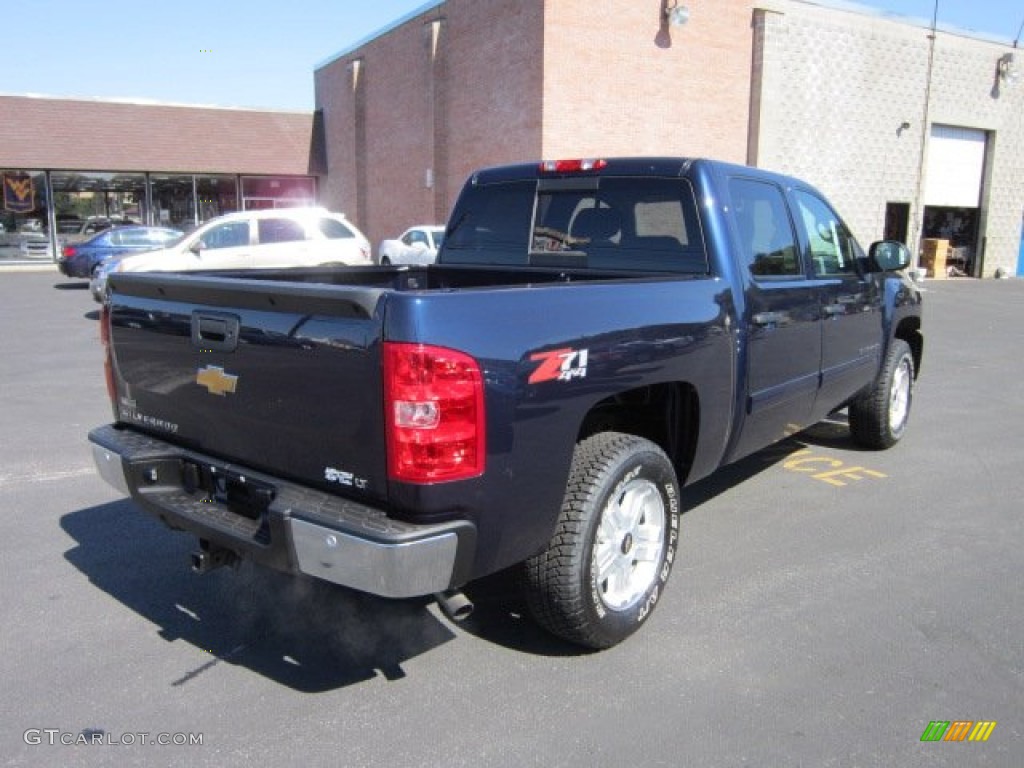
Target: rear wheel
(879, 416)
(612, 552)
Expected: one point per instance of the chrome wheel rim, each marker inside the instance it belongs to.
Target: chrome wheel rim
(629, 545)
(899, 396)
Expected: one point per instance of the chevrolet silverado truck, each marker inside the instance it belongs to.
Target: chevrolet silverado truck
(594, 335)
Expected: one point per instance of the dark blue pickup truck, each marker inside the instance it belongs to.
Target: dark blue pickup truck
(595, 334)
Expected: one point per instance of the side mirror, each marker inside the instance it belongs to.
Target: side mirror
(889, 256)
(197, 246)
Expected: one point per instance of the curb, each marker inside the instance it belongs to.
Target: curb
(27, 266)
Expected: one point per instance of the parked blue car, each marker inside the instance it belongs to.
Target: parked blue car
(81, 259)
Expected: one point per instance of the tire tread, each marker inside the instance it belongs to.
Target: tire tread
(551, 584)
(869, 413)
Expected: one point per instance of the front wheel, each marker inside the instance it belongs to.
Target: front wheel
(879, 416)
(610, 558)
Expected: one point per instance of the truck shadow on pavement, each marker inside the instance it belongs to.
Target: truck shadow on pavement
(303, 633)
(310, 635)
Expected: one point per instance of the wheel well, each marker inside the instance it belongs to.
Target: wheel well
(910, 331)
(666, 414)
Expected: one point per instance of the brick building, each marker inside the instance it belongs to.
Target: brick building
(912, 134)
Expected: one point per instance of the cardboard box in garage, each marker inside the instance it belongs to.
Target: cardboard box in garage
(933, 256)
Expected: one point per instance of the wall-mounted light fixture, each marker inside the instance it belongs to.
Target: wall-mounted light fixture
(677, 14)
(1007, 70)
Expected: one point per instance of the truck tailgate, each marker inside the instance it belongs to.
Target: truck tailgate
(284, 378)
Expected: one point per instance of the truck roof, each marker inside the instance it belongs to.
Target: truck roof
(626, 166)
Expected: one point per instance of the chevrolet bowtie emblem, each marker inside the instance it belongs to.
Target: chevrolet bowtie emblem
(215, 380)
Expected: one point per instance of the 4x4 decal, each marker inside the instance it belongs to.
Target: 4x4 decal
(559, 365)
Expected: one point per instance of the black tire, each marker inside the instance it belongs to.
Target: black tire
(599, 604)
(879, 416)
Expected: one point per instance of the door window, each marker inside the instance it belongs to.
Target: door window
(231, 234)
(125, 237)
(280, 231)
(333, 229)
(766, 233)
(832, 249)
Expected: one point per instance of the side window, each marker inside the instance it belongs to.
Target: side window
(766, 234)
(228, 235)
(333, 229)
(133, 237)
(832, 251)
(416, 236)
(280, 231)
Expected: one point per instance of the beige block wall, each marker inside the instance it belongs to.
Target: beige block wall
(835, 86)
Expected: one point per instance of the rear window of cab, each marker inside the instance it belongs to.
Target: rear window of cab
(641, 224)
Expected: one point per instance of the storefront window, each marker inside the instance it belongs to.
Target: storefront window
(112, 197)
(277, 191)
(24, 216)
(86, 202)
(173, 202)
(217, 195)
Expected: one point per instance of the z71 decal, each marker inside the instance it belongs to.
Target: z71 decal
(559, 365)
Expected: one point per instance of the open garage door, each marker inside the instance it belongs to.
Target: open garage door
(952, 195)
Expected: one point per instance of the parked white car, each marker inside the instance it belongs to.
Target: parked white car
(281, 237)
(417, 245)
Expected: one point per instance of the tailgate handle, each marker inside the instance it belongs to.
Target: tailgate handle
(215, 331)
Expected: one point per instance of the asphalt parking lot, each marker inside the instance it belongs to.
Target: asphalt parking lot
(827, 605)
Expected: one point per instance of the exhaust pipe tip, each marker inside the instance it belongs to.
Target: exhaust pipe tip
(210, 556)
(455, 605)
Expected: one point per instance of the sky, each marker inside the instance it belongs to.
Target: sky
(262, 53)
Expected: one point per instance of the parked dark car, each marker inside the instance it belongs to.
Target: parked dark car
(81, 259)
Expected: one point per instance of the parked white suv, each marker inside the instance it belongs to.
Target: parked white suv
(280, 237)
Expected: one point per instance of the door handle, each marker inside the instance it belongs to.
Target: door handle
(768, 318)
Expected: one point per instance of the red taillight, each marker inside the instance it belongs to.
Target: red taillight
(108, 362)
(434, 407)
(572, 166)
(69, 251)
